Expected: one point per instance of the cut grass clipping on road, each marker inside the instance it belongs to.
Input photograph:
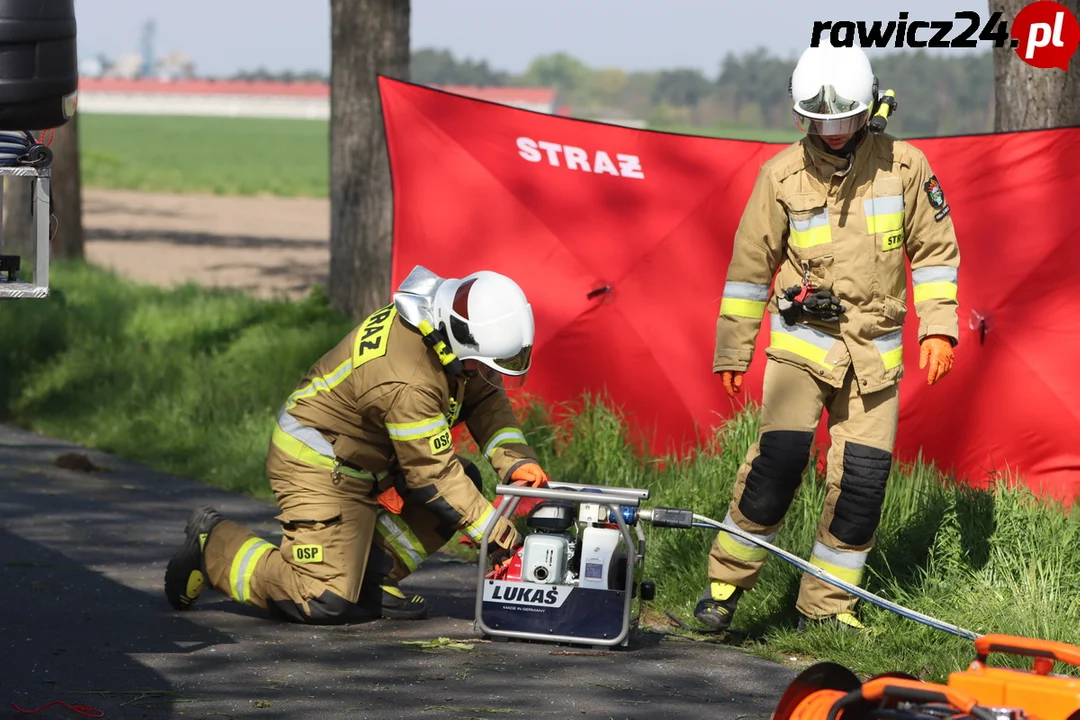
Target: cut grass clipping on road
(189, 381)
(239, 156)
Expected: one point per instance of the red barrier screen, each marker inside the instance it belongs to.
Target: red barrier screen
(621, 239)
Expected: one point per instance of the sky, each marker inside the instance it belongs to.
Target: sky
(628, 34)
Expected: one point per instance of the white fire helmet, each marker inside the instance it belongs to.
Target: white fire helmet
(486, 317)
(833, 89)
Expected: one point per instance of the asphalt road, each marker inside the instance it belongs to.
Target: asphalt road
(84, 621)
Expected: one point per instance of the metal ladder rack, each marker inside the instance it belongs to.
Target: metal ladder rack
(10, 288)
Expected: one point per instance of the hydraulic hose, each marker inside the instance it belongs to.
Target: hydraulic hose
(19, 147)
(679, 518)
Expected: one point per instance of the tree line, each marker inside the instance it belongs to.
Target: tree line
(936, 95)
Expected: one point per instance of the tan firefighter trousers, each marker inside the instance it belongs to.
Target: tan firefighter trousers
(338, 546)
(863, 432)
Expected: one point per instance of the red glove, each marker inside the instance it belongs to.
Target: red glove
(732, 380)
(937, 351)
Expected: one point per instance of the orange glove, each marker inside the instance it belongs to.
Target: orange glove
(530, 475)
(936, 350)
(732, 380)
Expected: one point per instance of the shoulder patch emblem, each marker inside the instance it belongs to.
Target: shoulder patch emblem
(936, 197)
(933, 192)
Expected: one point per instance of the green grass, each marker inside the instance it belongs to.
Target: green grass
(1000, 561)
(189, 380)
(242, 156)
(224, 156)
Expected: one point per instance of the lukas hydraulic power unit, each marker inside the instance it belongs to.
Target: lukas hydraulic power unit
(575, 578)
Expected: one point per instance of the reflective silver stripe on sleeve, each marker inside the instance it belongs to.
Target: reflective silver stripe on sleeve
(746, 291)
(933, 274)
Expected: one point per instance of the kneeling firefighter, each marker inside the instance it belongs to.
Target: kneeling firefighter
(362, 460)
(836, 213)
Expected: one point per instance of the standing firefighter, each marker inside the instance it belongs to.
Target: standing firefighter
(362, 462)
(836, 213)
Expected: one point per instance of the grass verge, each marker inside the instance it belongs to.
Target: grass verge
(188, 381)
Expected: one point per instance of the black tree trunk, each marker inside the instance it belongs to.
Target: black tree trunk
(368, 38)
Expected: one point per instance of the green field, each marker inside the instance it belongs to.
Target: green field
(224, 156)
(238, 156)
(189, 380)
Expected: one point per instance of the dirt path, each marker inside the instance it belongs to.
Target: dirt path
(267, 246)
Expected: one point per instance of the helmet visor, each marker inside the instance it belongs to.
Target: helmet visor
(500, 380)
(518, 363)
(829, 113)
(835, 126)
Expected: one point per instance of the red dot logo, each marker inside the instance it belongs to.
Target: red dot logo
(1045, 34)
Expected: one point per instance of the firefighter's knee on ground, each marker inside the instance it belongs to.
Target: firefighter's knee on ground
(774, 476)
(862, 493)
(326, 609)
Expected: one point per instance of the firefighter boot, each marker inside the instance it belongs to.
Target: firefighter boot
(396, 605)
(185, 576)
(844, 621)
(717, 605)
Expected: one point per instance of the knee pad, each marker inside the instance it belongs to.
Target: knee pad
(775, 475)
(473, 472)
(862, 492)
(327, 609)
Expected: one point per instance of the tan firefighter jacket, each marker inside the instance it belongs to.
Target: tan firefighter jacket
(852, 228)
(380, 396)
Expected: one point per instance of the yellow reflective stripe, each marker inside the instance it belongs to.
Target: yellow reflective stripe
(935, 291)
(844, 565)
(811, 231)
(503, 436)
(734, 547)
(735, 307)
(793, 344)
(298, 450)
(475, 531)
(243, 565)
(416, 430)
(884, 223)
(801, 340)
(301, 452)
(934, 282)
(884, 214)
(891, 347)
(402, 540)
(326, 383)
(893, 358)
(809, 238)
